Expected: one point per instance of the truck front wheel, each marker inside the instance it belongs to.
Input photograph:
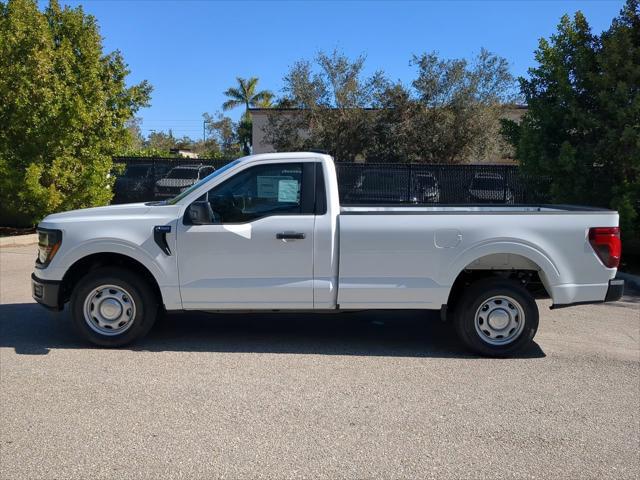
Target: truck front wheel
(496, 317)
(113, 306)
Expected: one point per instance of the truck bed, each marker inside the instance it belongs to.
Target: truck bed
(457, 209)
(410, 256)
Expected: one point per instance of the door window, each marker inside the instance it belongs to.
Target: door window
(258, 192)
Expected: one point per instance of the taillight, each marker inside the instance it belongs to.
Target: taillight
(605, 241)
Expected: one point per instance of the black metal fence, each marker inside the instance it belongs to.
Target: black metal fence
(426, 183)
(142, 179)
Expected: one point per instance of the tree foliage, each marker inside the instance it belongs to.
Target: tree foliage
(582, 128)
(64, 105)
(223, 131)
(221, 140)
(246, 94)
(134, 129)
(450, 113)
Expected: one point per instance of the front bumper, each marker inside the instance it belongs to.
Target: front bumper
(46, 292)
(614, 293)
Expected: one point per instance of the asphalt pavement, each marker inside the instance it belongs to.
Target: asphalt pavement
(360, 395)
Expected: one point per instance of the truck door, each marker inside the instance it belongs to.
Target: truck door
(257, 252)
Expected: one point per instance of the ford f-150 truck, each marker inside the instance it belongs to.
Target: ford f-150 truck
(267, 233)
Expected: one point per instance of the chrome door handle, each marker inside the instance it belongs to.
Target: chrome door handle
(290, 236)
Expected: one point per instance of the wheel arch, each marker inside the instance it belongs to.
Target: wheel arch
(96, 260)
(535, 271)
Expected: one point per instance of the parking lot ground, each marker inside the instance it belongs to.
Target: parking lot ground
(361, 395)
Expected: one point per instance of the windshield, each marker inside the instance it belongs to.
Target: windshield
(183, 173)
(383, 180)
(426, 182)
(196, 185)
(136, 171)
(487, 183)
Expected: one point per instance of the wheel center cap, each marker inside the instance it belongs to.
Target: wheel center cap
(498, 319)
(110, 309)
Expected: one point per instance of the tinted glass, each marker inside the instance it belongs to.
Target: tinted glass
(487, 183)
(258, 192)
(183, 173)
(427, 182)
(135, 171)
(381, 180)
(197, 185)
(206, 171)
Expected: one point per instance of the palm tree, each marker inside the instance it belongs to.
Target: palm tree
(245, 94)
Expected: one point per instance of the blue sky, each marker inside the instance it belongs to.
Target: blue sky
(191, 51)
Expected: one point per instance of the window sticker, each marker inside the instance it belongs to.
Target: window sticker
(288, 191)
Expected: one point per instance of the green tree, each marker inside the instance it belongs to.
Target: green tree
(333, 105)
(161, 141)
(64, 105)
(134, 129)
(582, 128)
(224, 133)
(450, 113)
(156, 144)
(246, 94)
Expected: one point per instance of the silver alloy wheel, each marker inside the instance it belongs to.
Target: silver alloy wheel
(499, 320)
(109, 310)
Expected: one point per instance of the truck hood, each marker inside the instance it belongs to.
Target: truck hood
(489, 193)
(176, 182)
(127, 213)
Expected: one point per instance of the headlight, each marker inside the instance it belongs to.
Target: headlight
(48, 244)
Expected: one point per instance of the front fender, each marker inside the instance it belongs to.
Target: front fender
(157, 265)
(161, 266)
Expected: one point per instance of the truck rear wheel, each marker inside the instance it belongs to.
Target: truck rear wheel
(496, 317)
(112, 307)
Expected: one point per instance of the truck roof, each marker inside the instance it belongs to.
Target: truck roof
(285, 156)
(192, 167)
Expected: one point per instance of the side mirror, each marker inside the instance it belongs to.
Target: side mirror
(200, 213)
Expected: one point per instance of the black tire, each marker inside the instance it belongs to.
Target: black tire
(480, 294)
(143, 299)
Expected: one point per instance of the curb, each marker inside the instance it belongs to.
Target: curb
(631, 282)
(19, 240)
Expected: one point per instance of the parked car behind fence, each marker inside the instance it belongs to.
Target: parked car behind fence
(136, 184)
(138, 180)
(490, 188)
(180, 178)
(444, 184)
(390, 183)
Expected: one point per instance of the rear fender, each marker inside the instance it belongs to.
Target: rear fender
(548, 271)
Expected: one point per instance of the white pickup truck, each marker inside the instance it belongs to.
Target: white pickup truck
(267, 232)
